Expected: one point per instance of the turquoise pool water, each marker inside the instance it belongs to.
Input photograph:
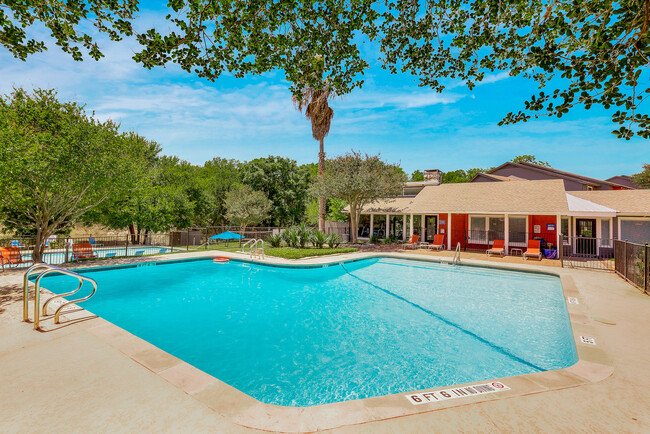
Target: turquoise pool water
(301, 337)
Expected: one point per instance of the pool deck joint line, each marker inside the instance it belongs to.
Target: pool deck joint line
(594, 365)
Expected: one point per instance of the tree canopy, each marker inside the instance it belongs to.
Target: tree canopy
(246, 207)
(529, 159)
(359, 180)
(65, 21)
(642, 178)
(58, 163)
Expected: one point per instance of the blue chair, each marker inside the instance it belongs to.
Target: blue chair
(110, 255)
(139, 253)
(92, 241)
(15, 243)
(163, 251)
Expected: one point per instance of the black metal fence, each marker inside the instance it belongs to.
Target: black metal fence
(632, 261)
(588, 252)
(17, 252)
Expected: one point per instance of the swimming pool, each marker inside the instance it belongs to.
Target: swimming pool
(309, 336)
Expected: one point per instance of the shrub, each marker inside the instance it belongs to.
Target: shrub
(374, 239)
(302, 234)
(290, 237)
(275, 240)
(318, 238)
(333, 240)
(391, 240)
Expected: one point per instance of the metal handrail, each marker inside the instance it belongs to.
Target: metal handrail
(250, 250)
(456, 259)
(253, 240)
(37, 292)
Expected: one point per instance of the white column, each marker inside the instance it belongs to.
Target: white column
(422, 228)
(448, 231)
(411, 226)
(387, 234)
(506, 233)
(403, 226)
(372, 224)
(558, 225)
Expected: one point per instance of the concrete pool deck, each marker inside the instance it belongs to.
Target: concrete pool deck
(92, 376)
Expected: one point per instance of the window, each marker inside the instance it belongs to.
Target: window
(564, 226)
(635, 231)
(477, 229)
(495, 228)
(364, 226)
(604, 234)
(517, 231)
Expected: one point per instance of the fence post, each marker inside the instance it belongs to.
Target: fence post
(126, 245)
(67, 250)
(560, 247)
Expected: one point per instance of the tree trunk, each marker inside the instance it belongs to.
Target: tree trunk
(37, 253)
(321, 200)
(132, 232)
(353, 223)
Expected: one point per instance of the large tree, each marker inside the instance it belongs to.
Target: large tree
(642, 178)
(246, 207)
(66, 22)
(284, 182)
(359, 180)
(580, 53)
(58, 163)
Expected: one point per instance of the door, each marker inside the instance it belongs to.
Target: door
(430, 227)
(586, 237)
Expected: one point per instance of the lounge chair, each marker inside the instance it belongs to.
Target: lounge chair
(11, 256)
(92, 241)
(83, 251)
(533, 250)
(497, 247)
(163, 251)
(16, 243)
(139, 253)
(110, 255)
(438, 242)
(413, 242)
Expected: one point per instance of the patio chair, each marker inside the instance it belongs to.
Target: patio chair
(83, 251)
(438, 242)
(16, 243)
(139, 253)
(110, 255)
(533, 250)
(11, 256)
(92, 241)
(497, 247)
(163, 251)
(413, 242)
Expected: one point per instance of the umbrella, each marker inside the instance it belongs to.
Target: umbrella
(227, 236)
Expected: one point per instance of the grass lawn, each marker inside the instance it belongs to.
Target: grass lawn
(291, 253)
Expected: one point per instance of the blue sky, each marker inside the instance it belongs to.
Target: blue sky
(247, 118)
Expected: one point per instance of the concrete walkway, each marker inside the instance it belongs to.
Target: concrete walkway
(71, 379)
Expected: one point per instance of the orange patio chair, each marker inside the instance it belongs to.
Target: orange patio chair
(413, 242)
(83, 251)
(497, 247)
(533, 249)
(11, 256)
(438, 242)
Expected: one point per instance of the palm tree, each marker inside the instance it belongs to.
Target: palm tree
(315, 104)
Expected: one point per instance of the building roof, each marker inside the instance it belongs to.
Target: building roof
(626, 202)
(584, 207)
(559, 173)
(623, 180)
(397, 205)
(496, 177)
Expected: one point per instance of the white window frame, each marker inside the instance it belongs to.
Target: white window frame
(620, 219)
(518, 243)
(486, 228)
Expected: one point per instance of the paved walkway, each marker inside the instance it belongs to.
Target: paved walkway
(72, 380)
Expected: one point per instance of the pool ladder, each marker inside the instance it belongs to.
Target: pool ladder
(456, 259)
(46, 269)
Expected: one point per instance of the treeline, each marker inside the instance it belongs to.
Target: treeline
(176, 193)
